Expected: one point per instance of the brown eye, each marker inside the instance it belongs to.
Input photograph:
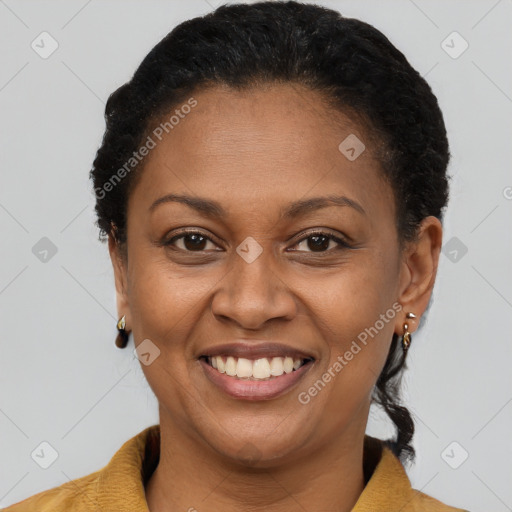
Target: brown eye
(320, 242)
(191, 241)
(195, 241)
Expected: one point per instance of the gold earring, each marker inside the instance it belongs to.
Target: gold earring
(407, 338)
(122, 335)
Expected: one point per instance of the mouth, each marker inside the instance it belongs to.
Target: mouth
(265, 368)
(258, 378)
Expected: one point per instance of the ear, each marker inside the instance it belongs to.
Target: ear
(120, 276)
(418, 272)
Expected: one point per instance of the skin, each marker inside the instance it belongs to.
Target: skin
(255, 152)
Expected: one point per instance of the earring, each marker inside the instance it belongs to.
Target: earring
(122, 335)
(407, 338)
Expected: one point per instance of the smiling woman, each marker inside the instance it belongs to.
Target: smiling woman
(275, 242)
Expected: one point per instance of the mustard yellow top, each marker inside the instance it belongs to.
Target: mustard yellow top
(119, 486)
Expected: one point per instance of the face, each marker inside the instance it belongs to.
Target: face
(265, 266)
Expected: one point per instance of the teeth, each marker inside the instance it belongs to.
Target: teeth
(276, 366)
(258, 369)
(243, 367)
(231, 366)
(288, 365)
(261, 369)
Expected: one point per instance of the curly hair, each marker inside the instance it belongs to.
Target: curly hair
(352, 64)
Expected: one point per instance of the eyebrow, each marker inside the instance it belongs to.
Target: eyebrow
(212, 208)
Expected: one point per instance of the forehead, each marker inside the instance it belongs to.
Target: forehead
(284, 121)
(260, 146)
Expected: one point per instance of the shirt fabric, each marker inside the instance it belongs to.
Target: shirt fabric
(119, 486)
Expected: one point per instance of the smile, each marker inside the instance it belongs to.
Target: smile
(257, 379)
(259, 369)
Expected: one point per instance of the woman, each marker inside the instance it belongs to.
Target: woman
(271, 183)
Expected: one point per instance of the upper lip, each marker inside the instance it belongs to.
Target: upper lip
(254, 350)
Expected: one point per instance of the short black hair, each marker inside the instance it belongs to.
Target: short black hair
(351, 63)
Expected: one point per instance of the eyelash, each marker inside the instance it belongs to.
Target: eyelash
(342, 243)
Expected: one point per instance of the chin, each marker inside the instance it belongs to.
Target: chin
(259, 450)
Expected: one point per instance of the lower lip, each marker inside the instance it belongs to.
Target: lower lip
(255, 389)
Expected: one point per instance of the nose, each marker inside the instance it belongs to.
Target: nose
(251, 294)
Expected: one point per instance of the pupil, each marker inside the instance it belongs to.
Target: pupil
(316, 245)
(198, 241)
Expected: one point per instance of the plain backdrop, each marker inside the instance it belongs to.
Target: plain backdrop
(63, 381)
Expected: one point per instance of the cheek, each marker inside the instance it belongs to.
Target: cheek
(164, 309)
(356, 311)
(353, 298)
(163, 301)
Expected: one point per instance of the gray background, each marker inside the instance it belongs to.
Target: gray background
(63, 381)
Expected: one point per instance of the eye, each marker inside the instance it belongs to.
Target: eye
(320, 241)
(192, 241)
(196, 241)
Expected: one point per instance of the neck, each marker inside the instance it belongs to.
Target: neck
(191, 476)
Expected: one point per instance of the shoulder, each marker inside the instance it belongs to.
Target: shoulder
(388, 486)
(70, 496)
(117, 486)
(421, 502)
